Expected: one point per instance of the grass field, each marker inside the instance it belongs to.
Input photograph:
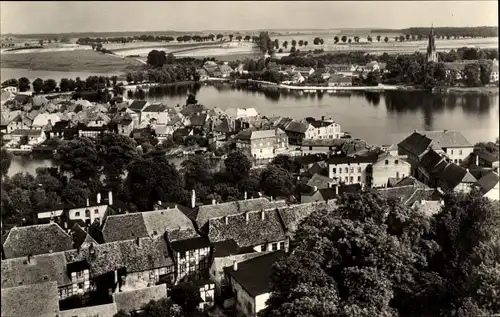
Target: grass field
(77, 60)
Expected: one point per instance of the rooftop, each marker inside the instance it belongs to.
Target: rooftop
(255, 284)
(447, 138)
(134, 300)
(488, 182)
(106, 310)
(40, 300)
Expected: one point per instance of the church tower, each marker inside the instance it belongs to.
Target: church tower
(431, 48)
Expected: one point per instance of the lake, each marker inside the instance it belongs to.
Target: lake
(385, 118)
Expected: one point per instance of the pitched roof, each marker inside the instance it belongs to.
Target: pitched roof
(225, 248)
(225, 68)
(370, 157)
(37, 239)
(447, 138)
(106, 310)
(164, 220)
(320, 181)
(487, 182)
(190, 109)
(198, 119)
(321, 124)
(293, 215)
(296, 126)
(416, 143)
(136, 255)
(190, 244)
(248, 234)
(409, 181)
(22, 98)
(309, 159)
(254, 275)
(207, 212)
(487, 156)
(429, 208)
(263, 134)
(430, 161)
(155, 108)
(453, 174)
(40, 300)
(80, 236)
(138, 105)
(134, 300)
(39, 269)
(408, 194)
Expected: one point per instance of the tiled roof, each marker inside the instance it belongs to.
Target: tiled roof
(38, 239)
(155, 108)
(263, 134)
(80, 236)
(207, 212)
(408, 194)
(320, 181)
(293, 215)
(31, 132)
(170, 219)
(298, 127)
(416, 143)
(190, 109)
(318, 168)
(22, 98)
(488, 182)
(190, 244)
(138, 105)
(246, 234)
(447, 138)
(40, 300)
(135, 255)
(430, 160)
(225, 69)
(106, 310)
(134, 300)
(40, 269)
(371, 157)
(198, 119)
(487, 156)
(124, 227)
(410, 181)
(429, 208)
(309, 159)
(254, 275)
(225, 248)
(453, 174)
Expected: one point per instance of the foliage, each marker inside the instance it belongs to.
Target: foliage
(80, 157)
(38, 85)
(161, 308)
(5, 160)
(187, 296)
(276, 182)
(196, 171)
(237, 165)
(285, 162)
(377, 257)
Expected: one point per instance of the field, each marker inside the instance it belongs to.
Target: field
(70, 61)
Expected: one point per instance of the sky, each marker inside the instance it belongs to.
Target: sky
(23, 17)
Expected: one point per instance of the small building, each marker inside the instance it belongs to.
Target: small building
(489, 186)
(455, 178)
(202, 73)
(494, 72)
(263, 145)
(225, 70)
(155, 111)
(250, 282)
(11, 89)
(324, 129)
(389, 166)
(337, 80)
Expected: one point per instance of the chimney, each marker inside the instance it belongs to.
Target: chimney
(245, 195)
(29, 258)
(262, 215)
(226, 220)
(286, 247)
(260, 194)
(214, 202)
(477, 159)
(445, 131)
(322, 118)
(329, 185)
(337, 190)
(88, 202)
(98, 198)
(247, 216)
(110, 198)
(315, 189)
(193, 199)
(235, 265)
(442, 202)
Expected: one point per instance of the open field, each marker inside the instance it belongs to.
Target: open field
(71, 61)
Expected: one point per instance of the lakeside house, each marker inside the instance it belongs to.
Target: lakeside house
(326, 128)
(337, 80)
(263, 145)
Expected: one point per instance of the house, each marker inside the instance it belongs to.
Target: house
(324, 72)
(155, 111)
(124, 265)
(58, 128)
(389, 166)
(11, 89)
(293, 215)
(489, 186)
(225, 70)
(38, 300)
(93, 211)
(486, 159)
(260, 230)
(430, 166)
(204, 213)
(131, 302)
(304, 71)
(328, 195)
(353, 169)
(17, 120)
(203, 74)
(297, 78)
(324, 129)
(455, 178)
(251, 290)
(33, 135)
(138, 105)
(124, 123)
(494, 72)
(295, 130)
(320, 181)
(201, 122)
(211, 68)
(90, 131)
(263, 145)
(318, 146)
(42, 119)
(24, 241)
(338, 80)
(163, 132)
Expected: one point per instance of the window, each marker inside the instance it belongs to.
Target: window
(182, 255)
(352, 169)
(396, 162)
(460, 152)
(359, 179)
(346, 170)
(96, 212)
(386, 162)
(261, 151)
(451, 151)
(262, 248)
(351, 179)
(340, 170)
(334, 170)
(183, 268)
(310, 148)
(459, 160)
(282, 245)
(397, 175)
(79, 274)
(359, 169)
(346, 178)
(98, 219)
(77, 214)
(191, 253)
(274, 246)
(80, 285)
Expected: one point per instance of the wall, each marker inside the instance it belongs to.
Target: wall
(278, 245)
(107, 310)
(138, 280)
(92, 214)
(315, 149)
(244, 302)
(457, 155)
(494, 193)
(17, 125)
(332, 131)
(83, 280)
(194, 261)
(355, 173)
(382, 171)
(260, 302)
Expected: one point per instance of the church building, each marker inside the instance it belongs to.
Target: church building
(431, 48)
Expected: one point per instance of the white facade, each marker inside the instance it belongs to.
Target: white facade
(353, 173)
(494, 193)
(274, 246)
(387, 167)
(10, 89)
(457, 155)
(332, 131)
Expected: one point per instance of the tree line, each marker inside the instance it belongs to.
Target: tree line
(50, 85)
(456, 32)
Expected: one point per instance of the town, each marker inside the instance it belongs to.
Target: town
(190, 208)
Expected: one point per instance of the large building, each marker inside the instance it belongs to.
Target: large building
(431, 48)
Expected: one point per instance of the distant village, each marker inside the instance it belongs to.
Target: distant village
(226, 249)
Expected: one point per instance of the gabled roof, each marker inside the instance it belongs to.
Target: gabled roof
(132, 301)
(155, 108)
(105, 310)
(198, 119)
(321, 124)
(138, 105)
(124, 227)
(39, 269)
(370, 157)
(416, 143)
(80, 236)
(410, 181)
(136, 255)
(408, 194)
(488, 182)
(191, 109)
(22, 99)
(225, 68)
(487, 156)
(206, 212)
(297, 127)
(453, 174)
(254, 275)
(430, 161)
(37, 239)
(190, 244)
(225, 248)
(248, 234)
(40, 300)
(320, 181)
(447, 138)
(293, 215)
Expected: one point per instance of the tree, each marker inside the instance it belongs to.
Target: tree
(49, 85)
(285, 162)
(247, 38)
(344, 38)
(75, 193)
(64, 84)
(196, 171)
(386, 39)
(187, 296)
(305, 43)
(369, 38)
(276, 182)
(484, 71)
(237, 165)
(231, 37)
(238, 38)
(5, 160)
(472, 75)
(294, 43)
(156, 58)
(378, 38)
(336, 39)
(349, 40)
(220, 36)
(79, 157)
(24, 84)
(301, 42)
(401, 38)
(40, 42)
(38, 85)
(161, 308)
(11, 83)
